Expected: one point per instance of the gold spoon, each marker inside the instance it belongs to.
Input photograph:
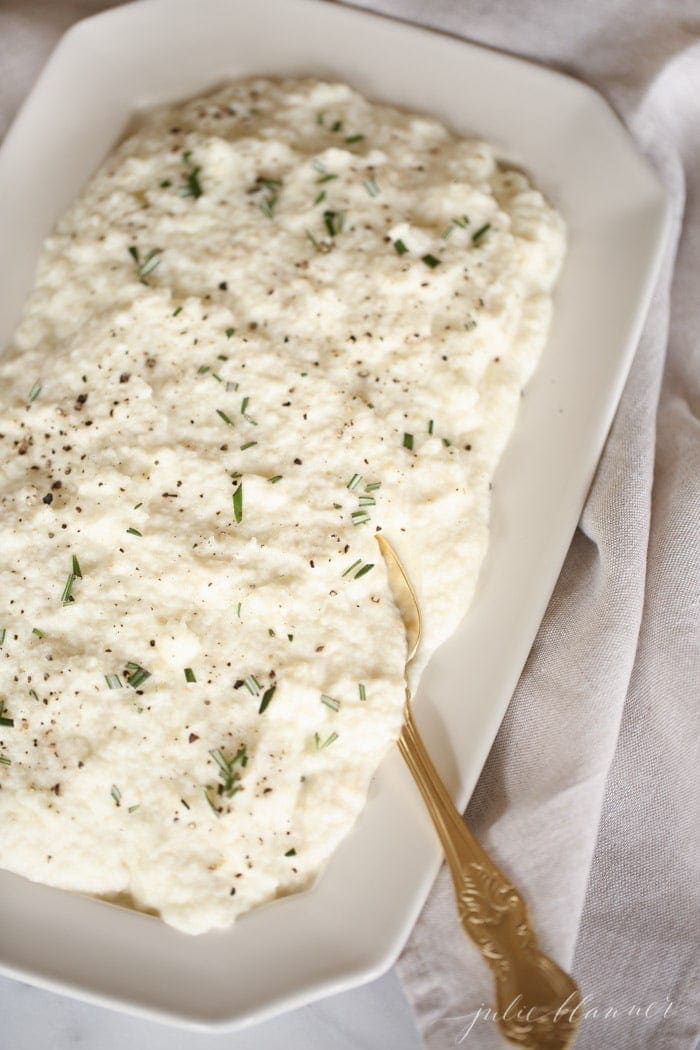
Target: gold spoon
(535, 999)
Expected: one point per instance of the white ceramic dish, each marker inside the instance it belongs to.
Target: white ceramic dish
(353, 924)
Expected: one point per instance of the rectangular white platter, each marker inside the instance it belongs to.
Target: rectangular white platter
(353, 924)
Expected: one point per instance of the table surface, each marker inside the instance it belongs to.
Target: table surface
(375, 1017)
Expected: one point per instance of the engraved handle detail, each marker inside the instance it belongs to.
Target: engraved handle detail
(536, 1000)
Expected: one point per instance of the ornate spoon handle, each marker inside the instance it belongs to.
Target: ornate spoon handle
(535, 998)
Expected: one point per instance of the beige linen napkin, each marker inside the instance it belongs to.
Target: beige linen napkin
(589, 796)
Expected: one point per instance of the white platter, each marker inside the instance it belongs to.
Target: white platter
(353, 924)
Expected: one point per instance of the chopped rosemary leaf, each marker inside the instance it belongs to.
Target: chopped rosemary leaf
(191, 186)
(132, 809)
(135, 674)
(364, 570)
(326, 177)
(337, 125)
(244, 405)
(77, 571)
(37, 632)
(461, 223)
(327, 742)
(230, 332)
(362, 691)
(4, 761)
(359, 517)
(34, 392)
(34, 695)
(373, 486)
(116, 794)
(330, 701)
(371, 186)
(311, 238)
(238, 503)
(252, 685)
(275, 479)
(291, 853)
(134, 532)
(3, 632)
(225, 418)
(229, 775)
(334, 221)
(446, 443)
(67, 598)
(267, 697)
(351, 567)
(230, 385)
(150, 263)
(189, 675)
(354, 481)
(338, 506)
(4, 720)
(177, 310)
(238, 610)
(203, 369)
(431, 261)
(248, 444)
(184, 803)
(113, 681)
(408, 441)
(399, 247)
(320, 197)
(478, 237)
(430, 426)
(368, 501)
(351, 139)
(137, 505)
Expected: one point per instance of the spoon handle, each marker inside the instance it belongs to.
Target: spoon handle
(537, 1003)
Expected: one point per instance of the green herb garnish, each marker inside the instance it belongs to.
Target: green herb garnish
(177, 310)
(135, 674)
(351, 567)
(113, 681)
(362, 691)
(226, 419)
(134, 532)
(354, 481)
(116, 794)
(364, 570)
(229, 774)
(189, 675)
(238, 503)
(34, 392)
(3, 631)
(4, 761)
(352, 139)
(191, 186)
(230, 332)
(334, 221)
(327, 742)
(478, 237)
(359, 517)
(267, 697)
(38, 633)
(371, 186)
(431, 261)
(275, 479)
(4, 720)
(330, 701)
(399, 247)
(408, 441)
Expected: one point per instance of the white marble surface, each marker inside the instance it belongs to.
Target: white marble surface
(376, 1017)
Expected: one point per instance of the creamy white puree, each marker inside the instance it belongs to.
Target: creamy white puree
(316, 296)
